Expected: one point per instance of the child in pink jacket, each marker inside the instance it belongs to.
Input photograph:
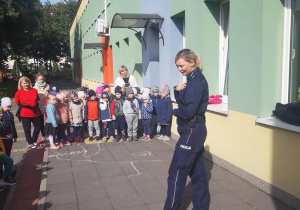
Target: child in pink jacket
(64, 117)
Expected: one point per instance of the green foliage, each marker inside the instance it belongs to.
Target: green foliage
(55, 67)
(14, 70)
(9, 89)
(30, 29)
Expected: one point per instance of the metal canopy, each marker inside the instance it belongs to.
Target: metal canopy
(94, 46)
(133, 20)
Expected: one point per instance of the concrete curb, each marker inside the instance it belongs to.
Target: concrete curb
(13, 188)
(43, 185)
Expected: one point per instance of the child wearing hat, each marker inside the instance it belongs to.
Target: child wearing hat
(64, 117)
(136, 92)
(155, 98)
(5, 178)
(107, 117)
(164, 113)
(99, 91)
(82, 98)
(8, 119)
(76, 107)
(85, 88)
(92, 114)
(131, 109)
(146, 113)
(52, 120)
(120, 122)
(110, 95)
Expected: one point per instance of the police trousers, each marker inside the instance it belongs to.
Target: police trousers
(188, 160)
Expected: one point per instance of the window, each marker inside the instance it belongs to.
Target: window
(224, 48)
(223, 60)
(291, 47)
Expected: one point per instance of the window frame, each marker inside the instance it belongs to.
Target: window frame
(286, 51)
(223, 52)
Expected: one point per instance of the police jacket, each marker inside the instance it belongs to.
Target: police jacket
(193, 99)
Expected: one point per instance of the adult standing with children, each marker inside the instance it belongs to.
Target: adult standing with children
(188, 159)
(125, 78)
(27, 99)
(43, 90)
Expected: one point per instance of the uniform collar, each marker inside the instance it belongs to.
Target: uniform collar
(193, 74)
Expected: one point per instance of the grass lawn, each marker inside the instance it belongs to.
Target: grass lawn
(9, 88)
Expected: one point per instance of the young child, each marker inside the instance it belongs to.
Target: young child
(8, 119)
(164, 113)
(155, 97)
(5, 160)
(85, 88)
(64, 116)
(120, 123)
(131, 110)
(146, 113)
(99, 91)
(76, 108)
(92, 115)
(107, 117)
(140, 129)
(51, 121)
(110, 95)
(82, 98)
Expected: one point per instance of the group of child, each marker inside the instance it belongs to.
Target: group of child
(113, 117)
(110, 115)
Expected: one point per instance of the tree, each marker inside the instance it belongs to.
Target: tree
(56, 21)
(32, 30)
(6, 10)
(14, 70)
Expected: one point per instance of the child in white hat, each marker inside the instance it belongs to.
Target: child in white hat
(8, 118)
(164, 113)
(146, 113)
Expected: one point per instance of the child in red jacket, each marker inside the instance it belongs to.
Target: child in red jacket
(92, 114)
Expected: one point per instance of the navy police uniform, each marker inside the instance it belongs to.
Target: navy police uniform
(188, 158)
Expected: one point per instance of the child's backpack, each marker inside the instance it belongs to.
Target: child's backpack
(289, 113)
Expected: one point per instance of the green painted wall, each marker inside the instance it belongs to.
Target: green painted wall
(129, 51)
(245, 55)
(272, 42)
(255, 47)
(202, 35)
(209, 49)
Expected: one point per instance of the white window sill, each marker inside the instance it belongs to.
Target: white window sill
(276, 122)
(218, 108)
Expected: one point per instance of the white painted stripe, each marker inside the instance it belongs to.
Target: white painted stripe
(189, 136)
(175, 190)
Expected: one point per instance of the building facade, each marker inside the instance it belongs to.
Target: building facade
(250, 57)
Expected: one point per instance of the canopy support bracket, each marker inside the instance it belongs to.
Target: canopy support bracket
(140, 35)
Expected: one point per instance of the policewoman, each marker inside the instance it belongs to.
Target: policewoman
(188, 158)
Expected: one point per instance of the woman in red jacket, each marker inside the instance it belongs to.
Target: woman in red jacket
(27, 99)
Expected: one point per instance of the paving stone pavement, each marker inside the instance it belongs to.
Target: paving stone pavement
(133, 175)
